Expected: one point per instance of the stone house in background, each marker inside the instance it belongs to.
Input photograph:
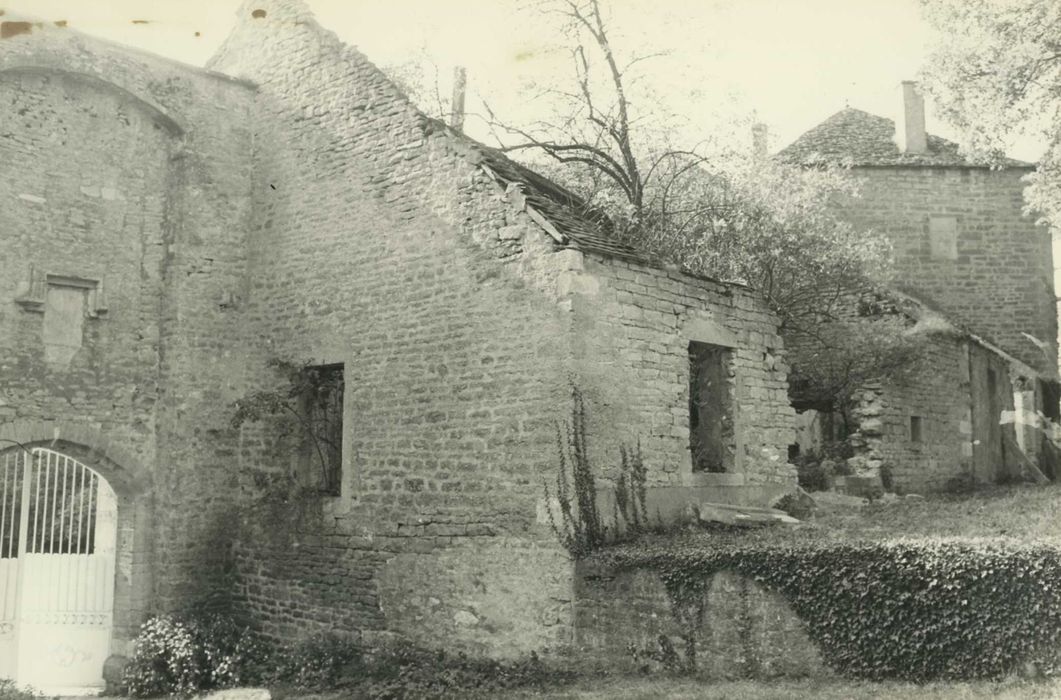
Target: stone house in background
(976, 274)
(170, 233)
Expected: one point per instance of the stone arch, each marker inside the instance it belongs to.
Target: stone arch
(746, 630)
(130, 479)
(120, 467)
(156, 112)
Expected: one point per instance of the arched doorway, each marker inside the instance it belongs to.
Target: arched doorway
(58, 532)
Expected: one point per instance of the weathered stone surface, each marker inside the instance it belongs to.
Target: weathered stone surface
(747, 631)
(1000, 283)
(743, 516)
(306, 211)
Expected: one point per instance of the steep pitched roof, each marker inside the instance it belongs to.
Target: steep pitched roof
(568, 218)
(585, 227)
(854, 137)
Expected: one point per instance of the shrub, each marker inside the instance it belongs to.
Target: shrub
(10, 691)
(799, 506)
(813, 474)
(905, 610)
(407, 671)
(182, 656)
(177, 656)
(319, 662)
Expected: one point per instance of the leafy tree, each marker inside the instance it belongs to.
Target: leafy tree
(996, 73)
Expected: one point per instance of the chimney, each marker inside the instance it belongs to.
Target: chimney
(910, 126)
(760, 136)
(456, 105)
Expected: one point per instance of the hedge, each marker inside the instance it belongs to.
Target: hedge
(911, 610)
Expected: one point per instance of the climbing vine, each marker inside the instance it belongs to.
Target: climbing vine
(911, 610)
(578, 522)
(308, 403)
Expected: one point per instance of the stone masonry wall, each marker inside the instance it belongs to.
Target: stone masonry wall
(132, 171)
(999, 282)
(747, 632)
(379, 242)
(634, 326)
(941, 394)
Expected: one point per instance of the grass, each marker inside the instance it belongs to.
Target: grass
(1023, 513)
(1020, 515)
(631, 688)
(679, 689)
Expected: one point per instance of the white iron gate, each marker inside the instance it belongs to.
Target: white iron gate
(58, 530)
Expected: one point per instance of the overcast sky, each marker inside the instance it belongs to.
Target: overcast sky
(791, 62)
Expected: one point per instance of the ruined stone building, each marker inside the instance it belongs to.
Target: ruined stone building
(975, 273)
(173, 237)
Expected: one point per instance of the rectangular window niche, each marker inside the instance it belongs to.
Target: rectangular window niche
(916, 429)
(943, 237)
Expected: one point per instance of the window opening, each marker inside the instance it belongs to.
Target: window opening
(323, 412)
(712, 438)
(916, 434)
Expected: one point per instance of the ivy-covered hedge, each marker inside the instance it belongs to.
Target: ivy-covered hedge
(913, 610)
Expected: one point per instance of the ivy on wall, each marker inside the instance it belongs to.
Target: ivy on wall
(911, 610)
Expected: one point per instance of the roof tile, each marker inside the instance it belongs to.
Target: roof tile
(853, 137)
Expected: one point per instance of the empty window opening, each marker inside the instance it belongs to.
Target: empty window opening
(1051, 392)
(712, 439)
(322, 394)
(916, 434)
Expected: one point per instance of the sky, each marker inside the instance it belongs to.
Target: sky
(789, 63)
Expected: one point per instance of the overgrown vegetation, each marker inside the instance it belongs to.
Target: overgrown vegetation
(577, 522)
(10, 691)
(186, 656)
(816, 470)
(183, 656)
(710, 205)
(904, 610)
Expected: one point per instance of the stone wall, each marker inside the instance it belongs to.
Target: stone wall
(125, 189)
(747, 632)
(991, 272)
(633, 325)
(314, 215)
(379, 242)
(953, 447)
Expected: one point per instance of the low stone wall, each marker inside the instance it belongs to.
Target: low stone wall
(747, 631)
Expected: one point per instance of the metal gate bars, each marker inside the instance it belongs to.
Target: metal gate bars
(58, 531)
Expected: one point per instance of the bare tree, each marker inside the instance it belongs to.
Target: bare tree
(716, 210)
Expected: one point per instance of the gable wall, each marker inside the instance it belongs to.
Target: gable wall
(378, 242)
